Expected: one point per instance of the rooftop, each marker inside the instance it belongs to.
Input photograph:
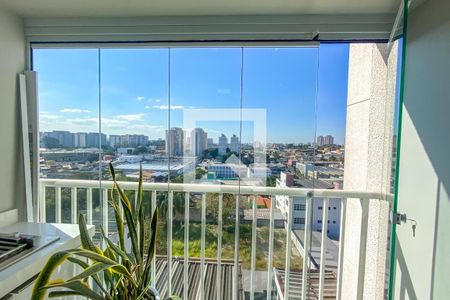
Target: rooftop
(262, 214)
(194, 274)
(312, 183)
(295, 283)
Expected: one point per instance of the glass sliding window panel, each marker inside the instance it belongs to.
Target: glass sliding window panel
(395, 60)
(279, 91)
(392, 137)
(329, 163)
(205, 85)
(204, 110)
(69, 129)
(134, 86)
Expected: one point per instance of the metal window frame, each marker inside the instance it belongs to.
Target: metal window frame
(231, 28)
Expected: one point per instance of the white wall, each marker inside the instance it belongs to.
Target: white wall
(12, 61)
(368, 144)
(423, 261)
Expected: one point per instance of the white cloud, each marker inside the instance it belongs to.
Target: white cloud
(212, 131)
(83, 121)
(49, 116)
(142, 98)
(165, 107)
(115, 120)
(223, 91)
(74, 110)
(118, 124)
(131, 117)
(147, 107)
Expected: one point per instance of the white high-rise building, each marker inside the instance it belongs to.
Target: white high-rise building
(115, 140)
(223, 144)
(80, 139)
(175, 141)
(133, 140)
(210, 143)
(92, 139)
(198, 141)
(329, 140)
(299, 206)
(320, 141)
(65, 138)
(234, 143)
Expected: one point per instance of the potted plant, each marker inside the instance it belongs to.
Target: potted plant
(119, 273)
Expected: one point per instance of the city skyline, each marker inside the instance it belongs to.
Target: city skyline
(134, 90)
(81, 139)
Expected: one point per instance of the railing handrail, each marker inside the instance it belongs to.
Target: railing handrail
(309, 195)
(216, 188)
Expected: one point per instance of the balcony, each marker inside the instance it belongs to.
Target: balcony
(225, 278)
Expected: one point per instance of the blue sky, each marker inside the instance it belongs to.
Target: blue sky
(134, 89)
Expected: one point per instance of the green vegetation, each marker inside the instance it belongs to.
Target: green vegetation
(140, 150)
(228, 232)
(271, 181)
(119, 273)
(92, 157)
(50, 142)
(199, 172)
(228, 238)
(211, 153)
(212, 214)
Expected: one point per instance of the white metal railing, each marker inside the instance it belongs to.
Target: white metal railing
(204, 189)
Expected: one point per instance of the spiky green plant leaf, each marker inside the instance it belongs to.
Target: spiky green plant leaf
(90, 270)
(76, 286)
(113, 246)
(118, 217)
(126, 274)
(151, 248)
(60, 294)
(128, 212)
(85, 265)
(122, 195)
(86, 241)
(140, 213)
(44, 276)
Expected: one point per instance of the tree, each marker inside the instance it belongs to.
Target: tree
(51, 142)
(228, 206)
(271, 181)
(177, 179)
(92, 157)
(276, 155)
(199, 172)
(228, 154)
(162, 202)
(140, 150)
(214, 152)
(109, 151)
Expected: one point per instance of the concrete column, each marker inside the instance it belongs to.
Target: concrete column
(368, 144)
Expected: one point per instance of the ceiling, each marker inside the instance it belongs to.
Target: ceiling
(127, 8)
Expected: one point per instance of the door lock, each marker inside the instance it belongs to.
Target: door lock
(399, 219)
